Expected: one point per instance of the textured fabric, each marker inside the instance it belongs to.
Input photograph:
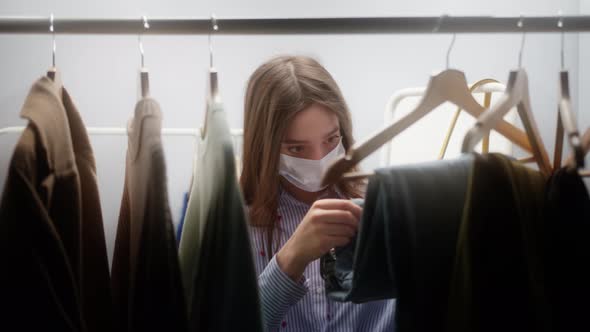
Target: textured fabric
(361, 280)
(303, 306)
(498, 281)
(52, 246)
(218, 270)
(567, 250)
(146, 281)
(421, 207)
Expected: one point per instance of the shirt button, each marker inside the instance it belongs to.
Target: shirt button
(262, 253)
(283, 324)
(329, 317)
(319, 290)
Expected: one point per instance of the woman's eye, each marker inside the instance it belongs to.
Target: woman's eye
(295, 149)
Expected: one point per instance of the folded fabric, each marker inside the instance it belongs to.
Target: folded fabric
(498, 281)
(400, 232)
(567, 250)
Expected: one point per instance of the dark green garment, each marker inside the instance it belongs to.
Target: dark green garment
(498, 282)
(568, 251)
(215, 244)
(422, 214)
(479, 244)
(337, 267)
(406, 241)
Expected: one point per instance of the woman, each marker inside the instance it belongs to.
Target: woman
(296, 123)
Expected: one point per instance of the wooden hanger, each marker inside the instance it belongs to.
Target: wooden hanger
(566, 120)
(486, 104)
(144, 82)
(144, 75)
(449, 85)
(214, 96)
(517, 94)
(52, 73)
(585, 143)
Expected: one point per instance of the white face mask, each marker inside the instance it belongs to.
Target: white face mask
(306, 174)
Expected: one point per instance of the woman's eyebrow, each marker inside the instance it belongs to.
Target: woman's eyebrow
(335, 131)
(293, 141)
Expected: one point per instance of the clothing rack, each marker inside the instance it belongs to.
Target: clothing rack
(333, 25)
(119, 131)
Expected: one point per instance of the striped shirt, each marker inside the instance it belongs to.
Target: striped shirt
(303, 306)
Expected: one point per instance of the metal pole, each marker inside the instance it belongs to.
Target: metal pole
(259, 26)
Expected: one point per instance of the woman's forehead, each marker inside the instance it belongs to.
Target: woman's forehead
(314, 122)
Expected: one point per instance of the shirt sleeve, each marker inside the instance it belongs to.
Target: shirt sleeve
(278, 292)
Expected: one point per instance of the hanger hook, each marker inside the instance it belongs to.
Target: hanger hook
(53, 47)
(451, 48)
(146, 26)
(214, 27)
(437, 29)
(439, 23)
(520, 24)
(560, 25)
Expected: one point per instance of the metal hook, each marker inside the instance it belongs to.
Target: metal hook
(521, 25)
(53, 49)
(214, 27)
(450, 48)
(146, 26)
(437, 29)
(560, 25)
(439, 23)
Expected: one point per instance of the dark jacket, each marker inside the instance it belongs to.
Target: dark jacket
(421, 210)
(224, 287)
(567, 250)
(460, 245)
(52, 245)
(147, 286)
(405, 247)
(499, 275)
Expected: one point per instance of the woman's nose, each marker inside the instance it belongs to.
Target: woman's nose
(318, 153)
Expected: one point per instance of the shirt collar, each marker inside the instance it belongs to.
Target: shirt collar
(44, 108)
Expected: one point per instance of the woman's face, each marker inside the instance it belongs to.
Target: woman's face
(312, 133)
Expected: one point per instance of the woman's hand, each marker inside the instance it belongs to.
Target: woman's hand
(329, 223)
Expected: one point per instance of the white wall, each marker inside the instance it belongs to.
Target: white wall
(583, 110)
(100, 71)
(584, 73)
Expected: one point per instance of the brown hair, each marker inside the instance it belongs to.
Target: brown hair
(276, 91)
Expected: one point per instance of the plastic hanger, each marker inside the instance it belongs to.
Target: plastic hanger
(516, 94)
(144, 76)
(213, 78)
(449, 85)
(566, 120)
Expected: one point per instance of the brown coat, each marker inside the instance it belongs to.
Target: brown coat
(147, 287)
(55, 273)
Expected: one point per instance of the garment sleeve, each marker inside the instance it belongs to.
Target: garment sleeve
(34, 263)
(278, 292)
